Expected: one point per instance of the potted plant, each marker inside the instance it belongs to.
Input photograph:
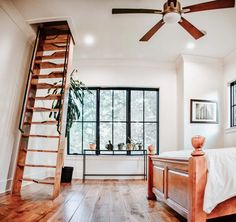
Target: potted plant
(120, 146)
(140, 146)
(109, 146)
(76, 95)
(92, 146)
(129, 146)
(134, 144)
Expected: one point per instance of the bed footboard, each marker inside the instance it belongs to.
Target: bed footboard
(180, 183)
(169, 182)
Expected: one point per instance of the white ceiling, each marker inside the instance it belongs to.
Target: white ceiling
(117, 36)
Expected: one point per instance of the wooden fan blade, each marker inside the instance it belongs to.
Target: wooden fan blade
(191, 29)
(219, 4)
(131, 11)
(152, 31)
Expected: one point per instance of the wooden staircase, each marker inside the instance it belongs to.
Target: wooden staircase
(50, 63)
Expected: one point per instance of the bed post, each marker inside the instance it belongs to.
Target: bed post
(197, 182)
(151, 195)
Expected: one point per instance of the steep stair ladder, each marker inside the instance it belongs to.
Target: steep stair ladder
(54, 43)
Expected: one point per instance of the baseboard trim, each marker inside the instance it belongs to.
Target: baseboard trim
(5, 193)
(6, 185)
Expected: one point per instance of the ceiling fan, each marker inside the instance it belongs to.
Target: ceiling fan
(172, 13)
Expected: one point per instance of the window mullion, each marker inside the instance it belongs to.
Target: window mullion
(82, 125)
(98, 121)
(157, 113)
(112, 117)
(232, 104)
(144, 118)
(233, 108)
(128, 115)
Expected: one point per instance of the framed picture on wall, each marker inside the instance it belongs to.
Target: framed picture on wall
(203, 111)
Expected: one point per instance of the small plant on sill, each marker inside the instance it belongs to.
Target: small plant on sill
(133, 144)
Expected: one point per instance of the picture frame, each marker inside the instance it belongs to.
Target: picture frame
(203, 111)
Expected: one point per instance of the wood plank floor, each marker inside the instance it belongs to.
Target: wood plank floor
(95, 201)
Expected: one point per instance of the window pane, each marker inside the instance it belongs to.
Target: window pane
(233, 107)
(76, 138)
(150, 106)
(137, 132)
(150, 134)
(234, 123)
(89, 134)
(119, 134)
(136, 105)
(235, 94)
(79, 105)
(120, 105)
(89, 109)
(105, 134)
(106, 105)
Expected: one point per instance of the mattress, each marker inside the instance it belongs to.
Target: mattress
(221, 175)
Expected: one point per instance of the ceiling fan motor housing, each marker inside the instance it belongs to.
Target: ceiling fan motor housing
(172, 12)
(172, 7)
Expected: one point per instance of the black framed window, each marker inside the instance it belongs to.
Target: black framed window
(83, 131)
(233, 104)
(116, 114)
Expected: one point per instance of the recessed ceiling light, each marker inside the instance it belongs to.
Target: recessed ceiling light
(190, 45)
(89, 40)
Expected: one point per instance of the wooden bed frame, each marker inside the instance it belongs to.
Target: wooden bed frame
(180, 183)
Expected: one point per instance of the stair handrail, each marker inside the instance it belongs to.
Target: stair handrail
(63, 80)
(27, 88)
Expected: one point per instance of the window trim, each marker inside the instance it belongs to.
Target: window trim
(128, 115)
(232, 104)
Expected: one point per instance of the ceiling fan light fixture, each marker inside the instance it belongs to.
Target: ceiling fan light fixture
(172, 17)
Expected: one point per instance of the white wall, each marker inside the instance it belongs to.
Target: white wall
(229, 76)
(132, 73)
(180, 102)
(201, 78)
(14, 60)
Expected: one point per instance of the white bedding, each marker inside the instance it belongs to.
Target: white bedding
(221, 176)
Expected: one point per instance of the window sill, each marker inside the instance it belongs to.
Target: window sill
(230, 130)
(124, 158)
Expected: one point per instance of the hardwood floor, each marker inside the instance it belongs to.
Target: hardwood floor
(95, 201)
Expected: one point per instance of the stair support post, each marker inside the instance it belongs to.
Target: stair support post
(63, 120)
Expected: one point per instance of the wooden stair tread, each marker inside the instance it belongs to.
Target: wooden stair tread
(56, 31)
(53, 47)
(49, 76)
(39, 181)
(48, 65)
(41, 151)
(41, 109)
(42, 123)
(55, 55)
(56, 39)
(46, 85)
(38, 135)
(36, 165)
(48, 97)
